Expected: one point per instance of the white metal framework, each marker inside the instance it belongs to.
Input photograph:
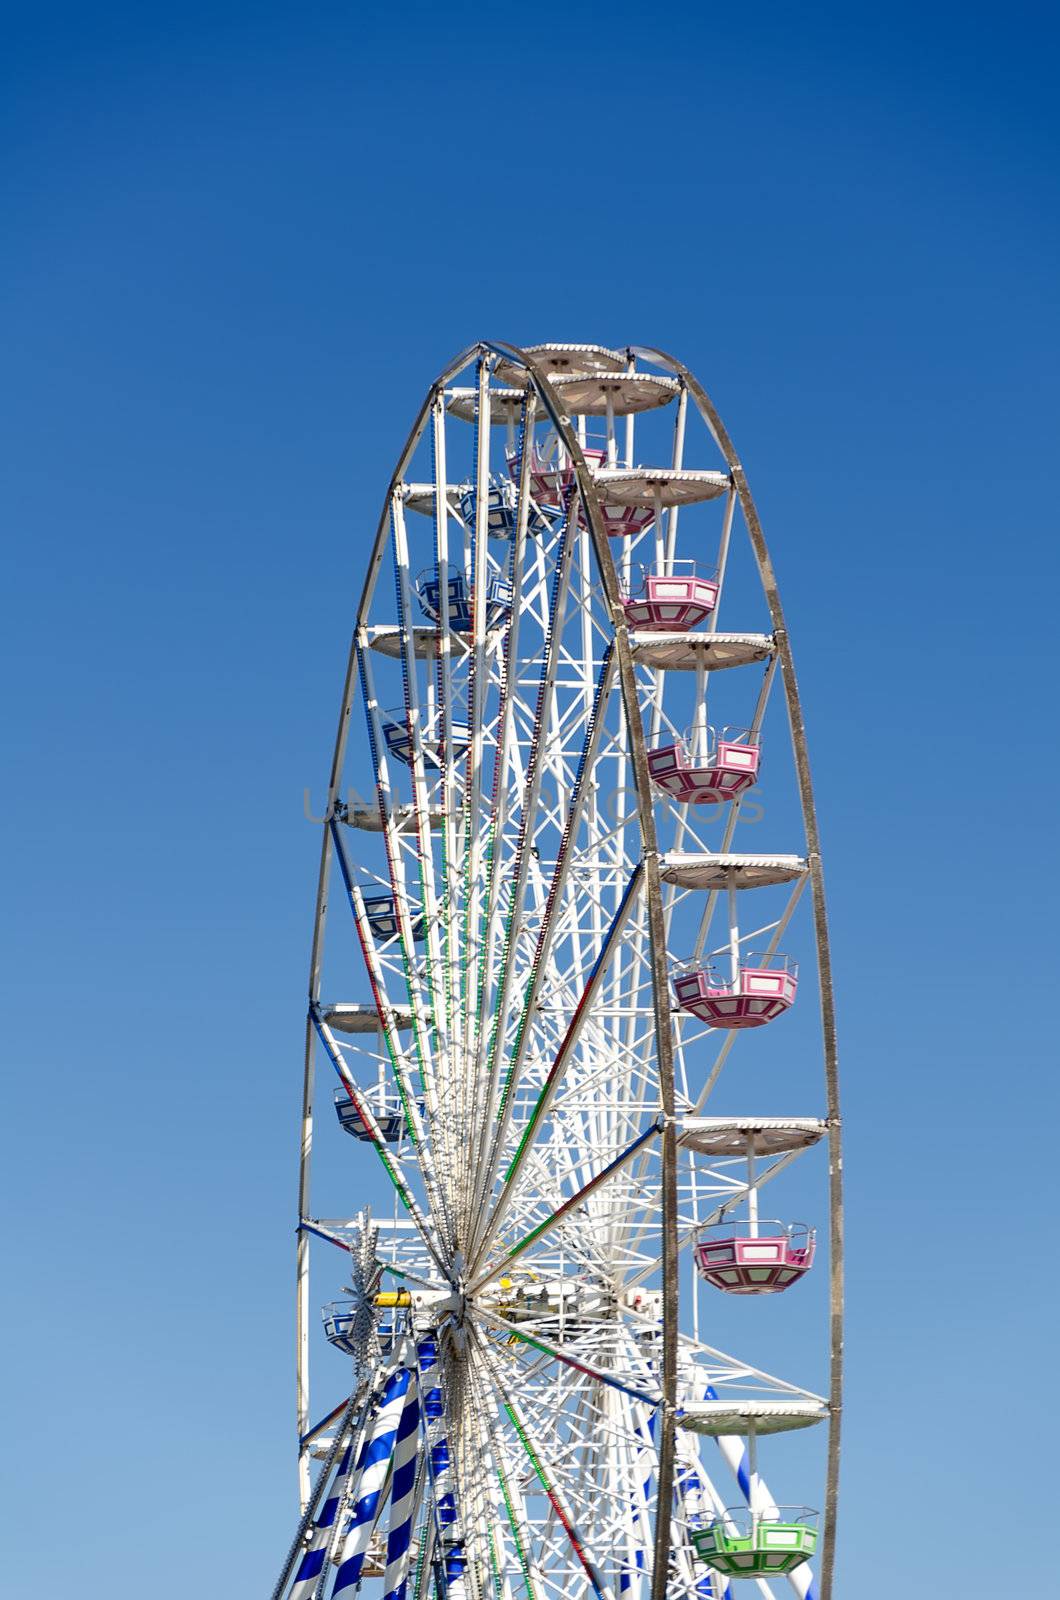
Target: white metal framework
(521, 878)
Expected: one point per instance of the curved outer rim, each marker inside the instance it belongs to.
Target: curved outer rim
(319, 919)
(660, 989)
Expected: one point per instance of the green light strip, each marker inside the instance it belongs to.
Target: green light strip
(516, 1536)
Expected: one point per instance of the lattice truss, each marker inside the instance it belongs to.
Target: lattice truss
(501, 1024)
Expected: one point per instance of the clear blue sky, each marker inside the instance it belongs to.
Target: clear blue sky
(238, 243)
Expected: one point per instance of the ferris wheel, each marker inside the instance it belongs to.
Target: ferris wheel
(568, 1038)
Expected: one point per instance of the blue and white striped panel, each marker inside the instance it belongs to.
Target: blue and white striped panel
(312, 1563)
(403, 1498)
(801, 1581)
(439, 1466)
(438, 1446)
(372, 1470)
(644, 1472)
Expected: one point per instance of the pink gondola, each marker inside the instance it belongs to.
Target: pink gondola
(755, 1257)
(761, 991)
(730, 767)
(551, 480)
(671, 602)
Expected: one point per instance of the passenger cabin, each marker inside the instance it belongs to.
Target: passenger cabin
(760, 1539)
(728, 766)
(350, 1324)
(752, 1257)
(761, 989)
(671, 602)
(461, 607)
(764, 1544)
(381, 912)
(503, 509)
(552, 474)
(399, 742)
(747, 1255)
(385, 1107)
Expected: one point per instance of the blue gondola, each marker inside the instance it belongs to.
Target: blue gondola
(399, 744)
(498, 600)
(344, 1320)
(503, 506)
(340, 1319)
(387, 1110)
(381, 911)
